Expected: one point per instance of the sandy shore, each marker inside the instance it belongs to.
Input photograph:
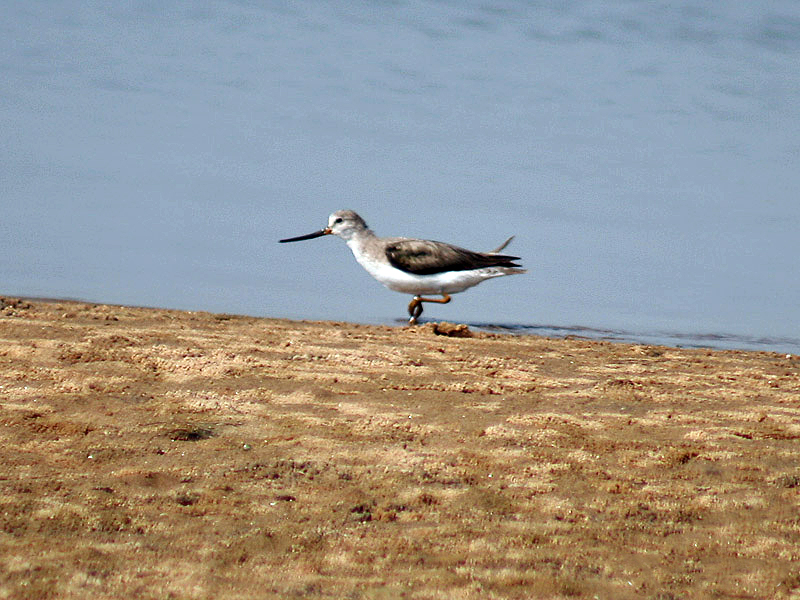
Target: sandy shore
(162, 454)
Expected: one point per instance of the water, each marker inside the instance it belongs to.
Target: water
(645, 154)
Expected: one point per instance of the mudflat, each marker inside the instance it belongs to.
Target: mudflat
(163, 454)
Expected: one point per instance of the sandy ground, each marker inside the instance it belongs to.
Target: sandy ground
(162, 454)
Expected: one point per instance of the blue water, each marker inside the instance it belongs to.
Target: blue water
(645, 154)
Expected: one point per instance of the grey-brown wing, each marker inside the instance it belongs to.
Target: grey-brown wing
(426, 257)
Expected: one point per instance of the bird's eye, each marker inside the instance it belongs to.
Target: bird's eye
(338, 220)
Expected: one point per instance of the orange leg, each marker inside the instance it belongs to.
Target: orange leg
(415, 306)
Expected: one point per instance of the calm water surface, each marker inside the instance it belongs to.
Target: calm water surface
(645, 154)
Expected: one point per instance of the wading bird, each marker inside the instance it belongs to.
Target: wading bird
(416, 267)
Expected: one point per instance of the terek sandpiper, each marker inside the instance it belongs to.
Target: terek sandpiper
(416, 267)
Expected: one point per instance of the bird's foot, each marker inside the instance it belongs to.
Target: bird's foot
(415, 306)
(415, 310)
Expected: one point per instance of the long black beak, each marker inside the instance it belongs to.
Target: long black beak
(308, 236)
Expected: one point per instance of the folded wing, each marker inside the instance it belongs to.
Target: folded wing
(426, 257)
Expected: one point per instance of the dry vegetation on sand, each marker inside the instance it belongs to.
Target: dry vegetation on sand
(160, 454)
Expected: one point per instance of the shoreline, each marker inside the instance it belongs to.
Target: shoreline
(159, 452)
(701, 341)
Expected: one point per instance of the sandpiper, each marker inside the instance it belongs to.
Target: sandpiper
(416, 267)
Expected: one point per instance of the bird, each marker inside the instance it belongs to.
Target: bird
(414, 266)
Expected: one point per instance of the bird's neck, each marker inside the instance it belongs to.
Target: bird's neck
(359, 240)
